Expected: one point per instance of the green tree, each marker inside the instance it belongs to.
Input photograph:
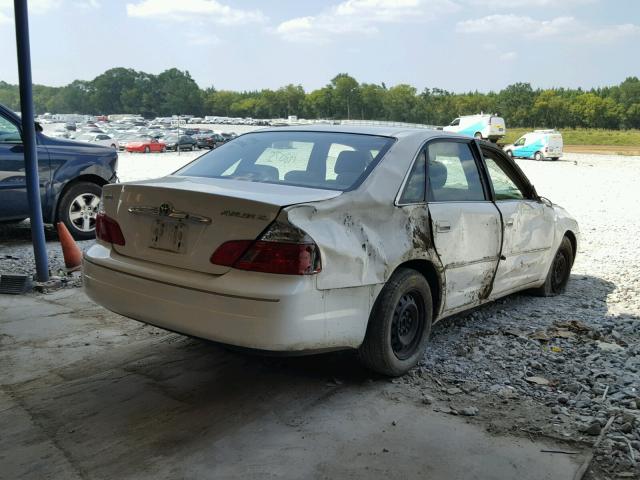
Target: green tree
(346, 94)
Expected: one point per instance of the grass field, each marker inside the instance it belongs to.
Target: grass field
(584, 140)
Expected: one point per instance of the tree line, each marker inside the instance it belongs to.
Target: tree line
(122, 90)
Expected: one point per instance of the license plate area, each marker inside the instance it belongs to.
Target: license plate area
(169, 236)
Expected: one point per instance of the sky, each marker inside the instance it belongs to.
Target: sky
(458, 45)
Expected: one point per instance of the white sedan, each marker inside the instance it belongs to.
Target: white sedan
(98, 138)
(307, 239)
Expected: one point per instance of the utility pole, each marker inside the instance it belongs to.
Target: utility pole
(29, 140)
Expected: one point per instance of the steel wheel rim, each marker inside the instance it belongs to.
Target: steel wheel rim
(560, 266)
(407, 325)
(83, 210)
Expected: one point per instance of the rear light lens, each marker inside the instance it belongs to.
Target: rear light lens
(229, 252)
(282, 249)
(108, 230)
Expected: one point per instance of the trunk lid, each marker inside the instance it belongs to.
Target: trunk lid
(180, 221)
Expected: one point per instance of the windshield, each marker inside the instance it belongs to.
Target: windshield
(327, 160)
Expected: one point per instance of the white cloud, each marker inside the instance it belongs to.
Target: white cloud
(39, 7)
(183, 10)
(501, 24)
(566, 27)
(501, 4)
(612, 33)
(508, 56)
(35, 7)
(87, 3)
(361, 16)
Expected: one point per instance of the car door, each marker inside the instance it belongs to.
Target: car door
(465, 223)
(528, 225)
(13, 185)
(520, 149)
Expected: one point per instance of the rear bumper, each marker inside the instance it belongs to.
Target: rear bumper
(252, 310)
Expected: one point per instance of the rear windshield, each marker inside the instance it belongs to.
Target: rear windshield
(332, 161)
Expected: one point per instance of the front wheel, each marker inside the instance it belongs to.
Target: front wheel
(399, 325)
(559, 272)
(478, 136)
(509, 154)
(78, 209)
(538, 156)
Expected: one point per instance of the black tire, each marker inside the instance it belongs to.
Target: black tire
(147, 149)
(559, 271)
(67, 207)
(477, 136)
(555, 159)
(538, 156)
(113, 145)
(163, 149)
(399, 325)
(509, 154)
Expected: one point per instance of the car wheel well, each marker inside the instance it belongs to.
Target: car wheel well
(574, 242)
(82, 178)
(429, 272)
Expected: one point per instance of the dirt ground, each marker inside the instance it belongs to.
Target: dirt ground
(604, 149)
(85, 390)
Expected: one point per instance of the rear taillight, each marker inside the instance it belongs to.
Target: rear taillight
(108, 230)
(282, 248)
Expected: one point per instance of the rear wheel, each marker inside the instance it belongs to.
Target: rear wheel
(163, 149)
(538, 156)
(509, 154)
(399, 325)
(559, 272)
(555, 159)
(478, 136)
(113, 145)
(78, 208)
(147, 149)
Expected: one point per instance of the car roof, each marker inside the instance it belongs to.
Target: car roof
(379, 130)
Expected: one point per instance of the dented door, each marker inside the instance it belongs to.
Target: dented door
(467, 240)
(465, 224)
(528, 236)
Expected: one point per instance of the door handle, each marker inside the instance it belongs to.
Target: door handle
(443, 226)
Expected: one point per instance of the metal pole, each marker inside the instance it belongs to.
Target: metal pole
(29, 140)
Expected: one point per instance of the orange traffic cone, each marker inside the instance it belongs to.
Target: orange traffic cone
(70, 249)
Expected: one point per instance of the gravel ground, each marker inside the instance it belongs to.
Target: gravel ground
(558, 367)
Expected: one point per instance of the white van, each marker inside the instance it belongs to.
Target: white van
(482, 126)
(539, 144)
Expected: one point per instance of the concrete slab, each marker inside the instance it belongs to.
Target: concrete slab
(88, 394)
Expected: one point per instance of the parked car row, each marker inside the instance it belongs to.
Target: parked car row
(143, 136)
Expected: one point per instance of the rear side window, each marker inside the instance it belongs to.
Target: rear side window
(453, 173)
(415, 188)
(327, 160)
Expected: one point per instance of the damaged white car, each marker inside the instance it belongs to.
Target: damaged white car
(307, 239)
